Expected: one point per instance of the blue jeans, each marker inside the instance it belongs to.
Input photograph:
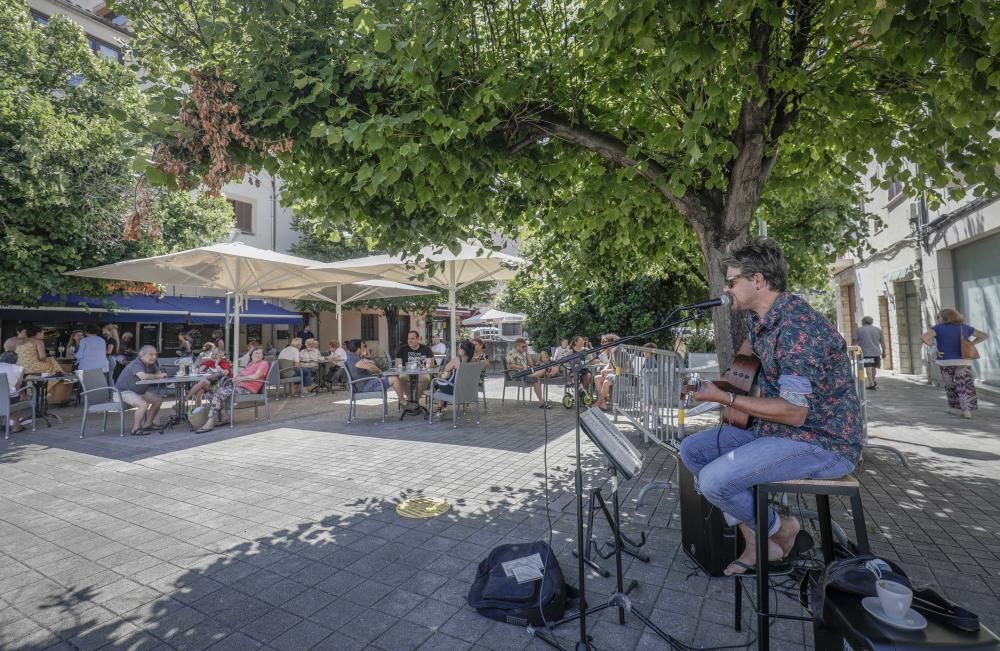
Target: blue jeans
(728, 462)
(306, 374)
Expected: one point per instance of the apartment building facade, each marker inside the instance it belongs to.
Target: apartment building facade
(925, 259)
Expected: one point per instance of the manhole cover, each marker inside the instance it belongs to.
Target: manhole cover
(422, 507)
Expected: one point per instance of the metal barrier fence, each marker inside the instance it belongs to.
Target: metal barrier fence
(645, 391)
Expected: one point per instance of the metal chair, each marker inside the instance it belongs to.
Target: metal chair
(354, 395)
(271, 381)
(286, 380)
(466, 391)
(8, 408)
(100, 397)
(508, 381)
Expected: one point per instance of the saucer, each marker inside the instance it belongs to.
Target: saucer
(911, 621)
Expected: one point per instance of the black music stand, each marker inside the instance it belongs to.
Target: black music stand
(620, 599)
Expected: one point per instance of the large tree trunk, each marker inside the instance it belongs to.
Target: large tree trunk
(730, 328)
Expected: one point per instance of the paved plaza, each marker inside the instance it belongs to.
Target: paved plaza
(285, 535)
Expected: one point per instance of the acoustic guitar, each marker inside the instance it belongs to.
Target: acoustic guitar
(740, 379)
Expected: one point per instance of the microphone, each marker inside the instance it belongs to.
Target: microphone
(724, 299)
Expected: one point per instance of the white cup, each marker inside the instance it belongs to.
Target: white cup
(894, 597)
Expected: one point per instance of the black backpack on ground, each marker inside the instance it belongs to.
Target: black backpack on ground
(497, 596)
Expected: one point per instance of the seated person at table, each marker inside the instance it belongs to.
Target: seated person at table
(292, 352)
(20, 336)
(517, 360)
(206, 351)
(437, 346)
(216, 367)
(33, 357)
(252, 344)
(361, 367)
(605, 377)
(310, 356)
(586, 375)
(446, 378)
(416, 353)
(15, 378)
(249, 380)
(808, 422)
(336, 374)
(128, 346)
(146, 402)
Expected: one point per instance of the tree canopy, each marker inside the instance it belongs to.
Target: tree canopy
(633, 123)
(68, 192)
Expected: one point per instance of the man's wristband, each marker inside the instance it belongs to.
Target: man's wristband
(732, 398)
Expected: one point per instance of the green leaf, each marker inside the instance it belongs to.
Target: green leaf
(383, 42)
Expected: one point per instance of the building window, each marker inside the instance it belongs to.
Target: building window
(369, 327)
(243, 211)
(39, 17)
(104, 49)
(895, 188)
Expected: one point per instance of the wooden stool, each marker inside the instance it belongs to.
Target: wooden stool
(822, 489)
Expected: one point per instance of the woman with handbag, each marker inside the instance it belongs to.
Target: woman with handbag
(955, 343)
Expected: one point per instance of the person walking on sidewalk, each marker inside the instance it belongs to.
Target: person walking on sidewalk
(869, 338)
(956, 370)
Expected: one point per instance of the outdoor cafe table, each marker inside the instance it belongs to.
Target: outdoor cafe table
(39, 386)
(414, 406)
(180, 383)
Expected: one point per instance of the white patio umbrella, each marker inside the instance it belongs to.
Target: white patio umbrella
(439, 268)
(235, 267)
(494, 316)
(343, 293)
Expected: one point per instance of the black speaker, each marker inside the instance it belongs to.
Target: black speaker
(705, 536)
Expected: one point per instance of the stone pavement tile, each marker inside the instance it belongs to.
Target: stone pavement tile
(500, 637)
(280, 592)
(454, 592)
(170, 619)
(398, 602)
(140, 641)
(304, 635)
(101, 635)
(188, 589)
(442, 642)
(39, 639)
(367, 626)
(132, 599)
(232, 608)
(307, 602)
(425, 583)
(270, 625)
(368, 592)
(340, 583)
(340, 642)
(337, 614)
(236, 642)
(12, 631)
(467, 625)
(432, 613)
(402, 636)
(201, 636)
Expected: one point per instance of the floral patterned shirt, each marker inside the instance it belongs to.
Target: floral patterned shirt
(801, 352)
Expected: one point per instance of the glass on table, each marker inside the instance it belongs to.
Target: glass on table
(399, 363)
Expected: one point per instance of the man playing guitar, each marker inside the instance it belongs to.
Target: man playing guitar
(807, 418)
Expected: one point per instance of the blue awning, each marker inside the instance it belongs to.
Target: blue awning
(112, 309)
(130, 308)
(212, 311)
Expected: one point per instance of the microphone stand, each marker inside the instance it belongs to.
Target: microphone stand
(576, 361)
